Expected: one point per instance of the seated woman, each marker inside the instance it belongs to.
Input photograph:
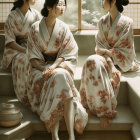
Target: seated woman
(115, 53)
(17, 27)
(52, 52)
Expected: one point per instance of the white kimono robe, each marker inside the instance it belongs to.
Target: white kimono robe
(47, 98)
(100, 83)
(18, 26)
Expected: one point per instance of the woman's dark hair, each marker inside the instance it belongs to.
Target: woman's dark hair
(49, 3)
(18, 4)
(120, 4)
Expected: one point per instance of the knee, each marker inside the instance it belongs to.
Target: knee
(93, 59)
(60, 73)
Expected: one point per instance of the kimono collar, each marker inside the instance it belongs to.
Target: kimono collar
(115, 21)
(45, 37)
(23, 17)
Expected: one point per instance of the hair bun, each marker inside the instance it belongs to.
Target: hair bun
(44, 12)
(125, 2)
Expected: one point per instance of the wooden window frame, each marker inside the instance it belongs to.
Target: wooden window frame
(136, 31)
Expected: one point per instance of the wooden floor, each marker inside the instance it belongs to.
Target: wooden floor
(96, 135)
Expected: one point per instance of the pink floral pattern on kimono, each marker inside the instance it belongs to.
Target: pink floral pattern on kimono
(47, 98)
(100, 83)
(18, 25)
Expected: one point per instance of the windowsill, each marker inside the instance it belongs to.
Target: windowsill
(85, 32)
(80, 32)
(89, 32)
(1, 32)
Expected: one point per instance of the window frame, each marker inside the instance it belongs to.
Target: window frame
(136, 31)
(79, 28)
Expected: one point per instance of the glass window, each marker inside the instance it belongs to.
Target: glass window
(39, 5)
(133, 11)
(5, 8)
(88, 11)
(71, 15)
(91, 13)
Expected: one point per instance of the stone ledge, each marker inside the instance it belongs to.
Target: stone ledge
(136, 131)
(8, 90)
(31, 122)
(85, 42)
(7, 86)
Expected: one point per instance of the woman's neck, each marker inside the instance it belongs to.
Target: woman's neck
(50, 21)
(24, 8)
(113, 14)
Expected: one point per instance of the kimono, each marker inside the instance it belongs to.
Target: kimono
(17, 27)
(100, 82)
(47, 97)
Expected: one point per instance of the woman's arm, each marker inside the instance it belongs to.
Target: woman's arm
(103, 52)
(56, 63)
(41, 66)
(48, 72)
(15, 46)
(37, 64)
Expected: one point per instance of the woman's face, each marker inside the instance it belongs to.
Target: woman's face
(106, 5)
(59, 8)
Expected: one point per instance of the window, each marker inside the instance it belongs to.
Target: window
(133, 11)
(5, 7)
(80, 14)
(91, 13)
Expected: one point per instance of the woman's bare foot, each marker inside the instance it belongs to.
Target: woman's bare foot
(72, 137)
(105, 122)
(54, 138)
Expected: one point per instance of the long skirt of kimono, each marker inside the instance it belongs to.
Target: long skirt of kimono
(47, 98)
(99, 87)
(20, 72)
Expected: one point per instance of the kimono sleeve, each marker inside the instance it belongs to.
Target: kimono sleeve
(68, 51)
(123, 53)
(38, 16)
(33, 50)
(69, 48)
(9, 31)
(101, 43)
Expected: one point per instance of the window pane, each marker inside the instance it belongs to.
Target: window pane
(71, 15)
(133, 11)
(91, 13)
(39, 5)
(5, 9)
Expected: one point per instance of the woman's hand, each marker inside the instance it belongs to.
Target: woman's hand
(107, 52)
(15, 46)
(47, 73)
(38, 64)
(103, 52)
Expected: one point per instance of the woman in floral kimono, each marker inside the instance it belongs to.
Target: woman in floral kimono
(17, 27)
(115, 53)
(52, 52)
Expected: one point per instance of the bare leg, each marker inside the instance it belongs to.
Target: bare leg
(54, 131)
(105, 122)
(69, 118)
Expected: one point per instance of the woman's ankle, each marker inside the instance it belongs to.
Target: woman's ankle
(72, 137)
